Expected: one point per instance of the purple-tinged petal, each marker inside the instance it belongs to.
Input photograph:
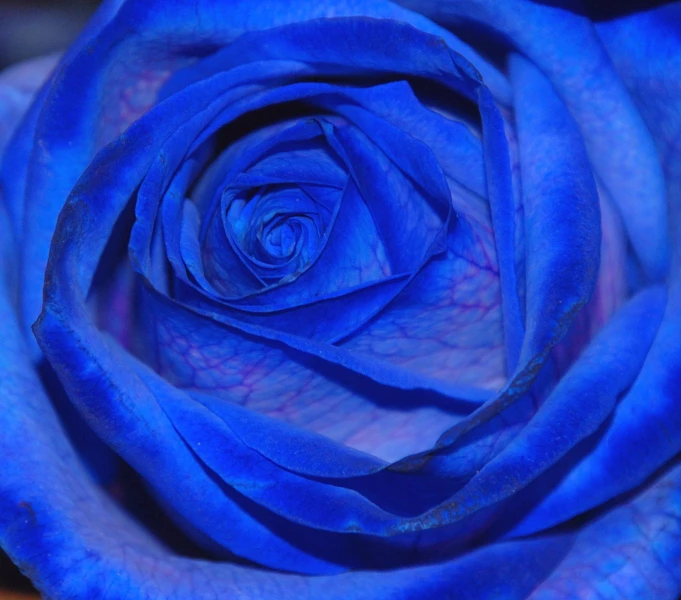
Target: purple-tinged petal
(609, 294)
(562, 236)
(93, 543)
(296, 42)
(634, 551)
(447, 322)
(265, 376)
(502, 203)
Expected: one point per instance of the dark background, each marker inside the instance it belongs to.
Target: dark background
(34, 27)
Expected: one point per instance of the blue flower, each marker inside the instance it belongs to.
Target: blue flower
(365, 310)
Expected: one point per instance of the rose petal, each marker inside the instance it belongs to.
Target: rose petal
(562, 231)
(127, 64)
(565, 46)
(646, 418)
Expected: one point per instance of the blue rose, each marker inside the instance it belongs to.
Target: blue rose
(359, 301)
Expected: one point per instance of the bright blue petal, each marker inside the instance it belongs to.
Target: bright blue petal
(565, 46)
(562, 234)
(643, 432)
(130, 60)
(581, 402)
(17, 163)
(296, 42)
(73, 526)
(631, 552)
(446, 323)
(94, 370)
(641, 436)
(457, 149)
(562, 220)
(502, 209)
(312, 387)
(645, 50)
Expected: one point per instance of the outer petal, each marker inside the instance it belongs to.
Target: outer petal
(121, 402)
(562, 235)
(18, 86)
(86, 543)
(646, 417)
(566, 48)
(645, 49)
(16, 162)
(581, 402)
(86, 361)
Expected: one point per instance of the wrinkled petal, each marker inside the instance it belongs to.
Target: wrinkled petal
(634, 547)
(76, 255)
(287, 462)
(447, 322)
(129, 62)
(100, 366)
(562, 234)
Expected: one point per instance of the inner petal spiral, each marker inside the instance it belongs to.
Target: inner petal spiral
(277, 229)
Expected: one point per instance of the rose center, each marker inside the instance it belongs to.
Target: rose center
(276, 227)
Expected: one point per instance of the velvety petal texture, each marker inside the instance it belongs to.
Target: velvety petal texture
(344, 299)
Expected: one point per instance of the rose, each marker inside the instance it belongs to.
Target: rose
(443, 522)
(350, 299)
